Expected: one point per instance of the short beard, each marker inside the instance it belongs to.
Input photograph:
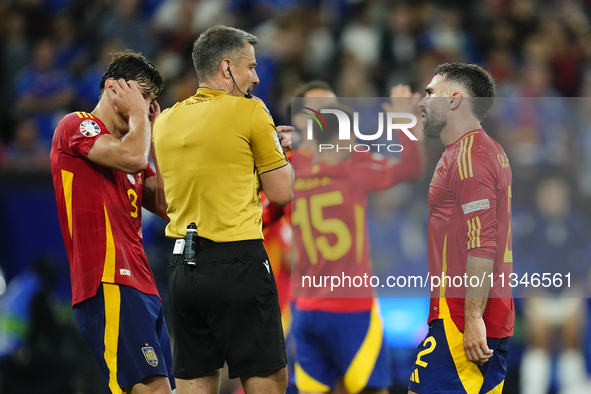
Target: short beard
(433, 125)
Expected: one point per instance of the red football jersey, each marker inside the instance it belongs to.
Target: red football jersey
(470, 214)
(100, 212)
(329, 224)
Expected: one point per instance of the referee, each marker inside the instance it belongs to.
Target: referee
(216, 151)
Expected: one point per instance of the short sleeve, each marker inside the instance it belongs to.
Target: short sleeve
(265, 144)
(474, 187)
(80, 134)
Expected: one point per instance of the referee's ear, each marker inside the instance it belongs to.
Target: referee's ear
(225, 68)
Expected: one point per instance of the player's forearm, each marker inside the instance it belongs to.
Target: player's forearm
(136, 143)
(477, 297)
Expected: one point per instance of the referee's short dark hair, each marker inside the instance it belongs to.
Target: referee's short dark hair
(478, 83)
(216, 44)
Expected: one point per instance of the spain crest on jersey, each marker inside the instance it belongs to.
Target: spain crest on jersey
(150, 355)
(89, 128)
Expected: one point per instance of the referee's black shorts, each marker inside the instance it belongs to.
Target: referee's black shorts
(225, 308)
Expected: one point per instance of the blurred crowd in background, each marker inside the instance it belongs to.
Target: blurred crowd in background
(53, 54)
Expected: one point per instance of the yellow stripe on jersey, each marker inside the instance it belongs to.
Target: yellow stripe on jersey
(443, 269)
(443, 307)
(360, 369)
(109, 267)
(510, 196)
(470, 156)
(474, 227)
(305, 382)
(463, 152)
(469, 374)
(508, 256)
(112, 312)
(460, 159)
(472, 133)
(478, 231)
(359, 231)
(465, 165)
(83, 115)
(67, 179)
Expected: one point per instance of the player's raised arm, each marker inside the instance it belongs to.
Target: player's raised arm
(410, 165)
(126, 149)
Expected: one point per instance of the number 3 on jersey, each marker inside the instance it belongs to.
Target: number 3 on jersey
(133, 200)
(308, 215)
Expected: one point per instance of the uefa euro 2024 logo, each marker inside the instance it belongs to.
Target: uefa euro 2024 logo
(345, 129)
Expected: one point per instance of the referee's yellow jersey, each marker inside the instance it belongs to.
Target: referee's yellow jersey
(211, 149)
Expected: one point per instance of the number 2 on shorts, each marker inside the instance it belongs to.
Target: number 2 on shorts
(429, 345)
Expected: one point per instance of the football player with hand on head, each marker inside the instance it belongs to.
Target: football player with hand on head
(102, 178)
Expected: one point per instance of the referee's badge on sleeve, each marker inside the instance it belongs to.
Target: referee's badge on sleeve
(277, 141)
(150, 355)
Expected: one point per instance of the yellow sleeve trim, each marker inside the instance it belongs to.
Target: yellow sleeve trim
(465, 166)
(474, 227)
(271, 167)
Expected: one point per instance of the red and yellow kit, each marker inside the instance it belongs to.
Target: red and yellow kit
(470, 215)
(99, 210)
(328, 222)
(339, 337)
